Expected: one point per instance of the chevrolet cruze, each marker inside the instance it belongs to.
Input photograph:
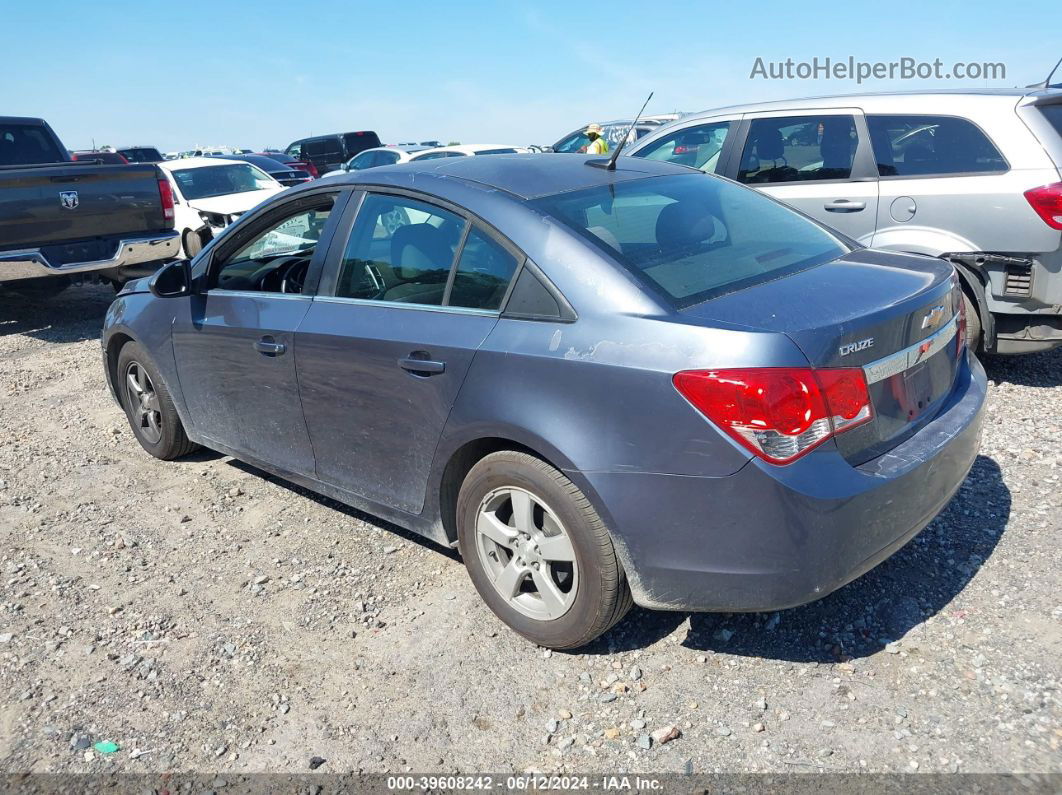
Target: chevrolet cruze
(603, 386)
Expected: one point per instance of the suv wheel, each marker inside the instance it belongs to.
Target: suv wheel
(149, 407)
(538, 553)
(973, 324)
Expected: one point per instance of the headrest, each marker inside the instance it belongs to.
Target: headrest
(419, 247)
(769, 144)
(684, 223)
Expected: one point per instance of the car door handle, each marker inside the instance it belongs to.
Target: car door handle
(270, 347)
(844, 206)
(422, 366)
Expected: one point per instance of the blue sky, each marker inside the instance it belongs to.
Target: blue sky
(265, 73)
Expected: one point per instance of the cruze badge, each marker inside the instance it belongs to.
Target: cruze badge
(68, 199)
(861, 345)
(933, 317)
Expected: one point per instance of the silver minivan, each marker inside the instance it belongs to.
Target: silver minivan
(970, 176)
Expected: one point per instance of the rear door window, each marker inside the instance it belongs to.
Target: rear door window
(400, 250)
(698, 147)
(483, 273)
(798, 149)
(907, 146)
(322, 147)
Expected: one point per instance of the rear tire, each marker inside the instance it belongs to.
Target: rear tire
(973, 325)
(149, 406)
(538, 553)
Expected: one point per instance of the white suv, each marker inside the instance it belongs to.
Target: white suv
(972, 176)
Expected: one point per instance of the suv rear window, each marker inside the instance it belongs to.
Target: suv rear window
(360, 141)
(906, 146)
(1053, 114)
(26, 144)
(693, 237)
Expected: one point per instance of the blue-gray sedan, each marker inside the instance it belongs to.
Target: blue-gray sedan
(644, 384)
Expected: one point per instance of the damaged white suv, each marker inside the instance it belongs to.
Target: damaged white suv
(971, 176)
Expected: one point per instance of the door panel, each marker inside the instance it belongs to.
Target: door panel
(239, 396)
(373, 416)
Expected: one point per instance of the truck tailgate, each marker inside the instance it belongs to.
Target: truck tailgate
(42, 205)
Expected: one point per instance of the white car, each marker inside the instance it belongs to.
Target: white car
(209, 193)
(389, 155)
(464, 150)
(378, 156)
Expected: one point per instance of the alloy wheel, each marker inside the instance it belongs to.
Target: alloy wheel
(527, 553)
(143, 403)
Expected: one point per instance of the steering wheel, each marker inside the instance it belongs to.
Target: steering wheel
(293, 276)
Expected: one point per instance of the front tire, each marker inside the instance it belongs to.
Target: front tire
(538, 553)
(149, 406)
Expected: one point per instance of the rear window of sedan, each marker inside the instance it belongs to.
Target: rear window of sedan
(694, 237)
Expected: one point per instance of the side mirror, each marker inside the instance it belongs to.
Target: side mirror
(172, 280)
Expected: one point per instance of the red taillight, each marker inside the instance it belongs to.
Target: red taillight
(1047, 201)
(309, 167)
(779, 413)
(166, 195)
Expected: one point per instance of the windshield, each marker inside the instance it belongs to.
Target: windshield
(692, 237)
(202, 183)
(509, 151)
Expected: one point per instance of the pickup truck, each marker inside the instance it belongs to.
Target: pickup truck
(62, 219)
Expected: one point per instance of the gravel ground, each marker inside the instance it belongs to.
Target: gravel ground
(206, 617)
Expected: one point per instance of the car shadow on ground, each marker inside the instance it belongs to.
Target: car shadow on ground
(1034, 369)
(74, 315)
(354, 513)
(887, 603)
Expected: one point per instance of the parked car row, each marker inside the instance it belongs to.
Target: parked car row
(783, 397)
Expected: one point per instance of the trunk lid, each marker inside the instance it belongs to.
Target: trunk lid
(894, 315)
(100, 201)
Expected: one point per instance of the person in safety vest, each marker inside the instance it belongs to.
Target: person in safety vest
(598, 145)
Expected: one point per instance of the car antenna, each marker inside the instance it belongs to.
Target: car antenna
(611, 165)
(1047, 82)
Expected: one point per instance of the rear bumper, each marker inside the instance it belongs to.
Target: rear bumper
(134, 250)
(767, 537)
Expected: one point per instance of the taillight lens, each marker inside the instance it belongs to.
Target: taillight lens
(1047, 201)
(166, 195)
(779, 413)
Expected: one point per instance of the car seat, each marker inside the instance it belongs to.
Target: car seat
(421, 255)
(837, 149)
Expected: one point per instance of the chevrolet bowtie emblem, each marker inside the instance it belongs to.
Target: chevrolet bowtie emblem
(933, 317)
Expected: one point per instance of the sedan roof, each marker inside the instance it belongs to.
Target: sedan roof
(528, 175)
